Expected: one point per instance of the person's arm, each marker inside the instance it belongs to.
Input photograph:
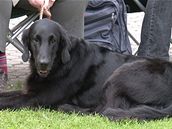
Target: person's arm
(46, 4)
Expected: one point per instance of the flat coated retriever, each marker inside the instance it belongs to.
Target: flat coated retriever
(70, 74)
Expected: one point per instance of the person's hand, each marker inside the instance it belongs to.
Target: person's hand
(46, 4)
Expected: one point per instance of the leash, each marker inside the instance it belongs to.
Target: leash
(41, 12)
(42, 9)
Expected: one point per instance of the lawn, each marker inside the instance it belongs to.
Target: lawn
(46, 119)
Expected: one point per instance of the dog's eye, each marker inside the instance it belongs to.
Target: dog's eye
(52, 39)
(36, 39)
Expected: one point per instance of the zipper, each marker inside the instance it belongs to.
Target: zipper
(111, 15)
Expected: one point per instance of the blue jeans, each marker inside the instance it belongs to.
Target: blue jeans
(156, 29)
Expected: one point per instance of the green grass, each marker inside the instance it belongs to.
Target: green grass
(15, 86)
(46, 119)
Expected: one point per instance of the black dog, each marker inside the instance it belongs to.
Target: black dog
(69, 73)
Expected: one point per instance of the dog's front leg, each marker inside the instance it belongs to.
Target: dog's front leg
(73, 108)
(11, 93)
(17, 101)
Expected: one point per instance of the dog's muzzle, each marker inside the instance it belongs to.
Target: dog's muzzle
(43, 73)
(43, 70)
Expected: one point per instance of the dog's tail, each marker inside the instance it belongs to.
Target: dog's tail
(140, 113)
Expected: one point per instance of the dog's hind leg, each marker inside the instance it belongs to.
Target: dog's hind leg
(141, 113)
(114, 98)
(116, 102)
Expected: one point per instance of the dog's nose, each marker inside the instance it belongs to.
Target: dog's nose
(44, 63)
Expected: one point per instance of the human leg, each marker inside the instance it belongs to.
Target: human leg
(156, 29)
(5, 13)
(70, 14)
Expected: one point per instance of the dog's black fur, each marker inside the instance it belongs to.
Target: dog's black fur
(140, 89)
(70, 74)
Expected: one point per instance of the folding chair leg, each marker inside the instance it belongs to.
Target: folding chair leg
(140, 5)
(18, 29)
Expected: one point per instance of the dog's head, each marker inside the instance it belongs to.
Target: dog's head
(44, 39)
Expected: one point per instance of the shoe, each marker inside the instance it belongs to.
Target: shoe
(3, 79)
(3, 71)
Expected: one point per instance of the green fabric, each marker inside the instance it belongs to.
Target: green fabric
(16, 12)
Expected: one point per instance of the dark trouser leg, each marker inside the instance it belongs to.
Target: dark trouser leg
(5, 13)
(70, 14)
(156, 29)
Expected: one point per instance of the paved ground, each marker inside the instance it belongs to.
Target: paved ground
(18, 70)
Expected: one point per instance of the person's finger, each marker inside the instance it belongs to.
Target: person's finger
(47, 13)
(46, 3)
(37, 3)
(51, 2)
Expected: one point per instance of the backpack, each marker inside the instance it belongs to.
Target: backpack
(105, 25)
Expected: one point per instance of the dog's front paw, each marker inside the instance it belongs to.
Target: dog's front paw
(73, 108)
(116, 114)
(66, 108)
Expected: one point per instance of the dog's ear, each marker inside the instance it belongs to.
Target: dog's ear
(25, 39)
(65, 55)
